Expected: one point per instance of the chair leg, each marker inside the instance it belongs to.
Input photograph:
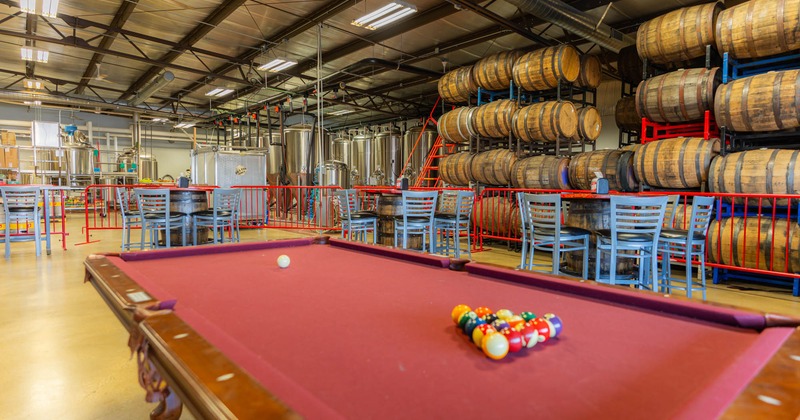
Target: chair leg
(194, 232)
(395, 235)
(702, 257)
(8, 238)
(524, 250)
(586, 258)
(556, 259)
(597, 263)
(687, 255)
(469, 243)
(37, 231)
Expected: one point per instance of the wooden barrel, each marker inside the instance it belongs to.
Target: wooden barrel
(545, 121)
(626, 116)
(494, 72)
(458, 85)
(592, 215)
(630, 65)
(590, 123)
(497, 216)
(542, 69)
(455, 169)
(591, 72)
(765, 171)
(682, 162)
(683, 214)
(679, 96)
(456, 126)
(759, 28)
(390, 206)
(187, 201)
(679, 35)
(766, 102)
(615, 165)
(753, 240)
(541, 172)
(493, 120)
(493, 167)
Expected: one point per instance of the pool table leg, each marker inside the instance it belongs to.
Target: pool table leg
(169, 408)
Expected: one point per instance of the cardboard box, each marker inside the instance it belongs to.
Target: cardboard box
(12, 158)
(3, 159)
(8, 138)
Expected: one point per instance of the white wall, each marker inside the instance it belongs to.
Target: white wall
(608, 93)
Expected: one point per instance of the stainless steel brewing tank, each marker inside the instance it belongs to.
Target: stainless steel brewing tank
(387, 164)
(274, 155)
(79, 159)
(420, 153)
(300, 160)
(360, 159)
(148, 166)
(340, 150)
(334, 172)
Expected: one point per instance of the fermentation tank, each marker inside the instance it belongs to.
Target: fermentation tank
(360, 159)
(340, 150)
(274, 156)
(301, 157)
(387, 164)
(148, 166)
(419, 155)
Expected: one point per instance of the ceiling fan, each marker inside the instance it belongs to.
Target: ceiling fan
(99, 76)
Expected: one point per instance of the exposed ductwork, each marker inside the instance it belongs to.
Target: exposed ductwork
(561, 14)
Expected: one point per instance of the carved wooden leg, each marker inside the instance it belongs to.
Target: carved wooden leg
(169, 408)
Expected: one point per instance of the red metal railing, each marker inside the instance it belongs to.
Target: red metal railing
(652, 131)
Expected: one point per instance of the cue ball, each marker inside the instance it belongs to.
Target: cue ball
(283, 261)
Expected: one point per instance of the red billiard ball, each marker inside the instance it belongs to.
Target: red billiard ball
(514, 339)
(543, 327)
(495, 345)
(530, 335)
(480, 332)
(482, 311)
(458, 311)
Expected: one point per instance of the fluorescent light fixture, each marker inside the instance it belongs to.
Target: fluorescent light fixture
(219, 92)
(277, 64)
(49, 8)
(160, 120)
(385, 15)
(33, 54)
(185, 125)
(33, 84)
(34, 103)
(342, 112)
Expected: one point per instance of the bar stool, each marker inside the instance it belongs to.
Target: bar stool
(129, 218)
(542, 220)
(156, 216)
(635, 227)
(223, 214)
(687, 244)
(454, 217)
(417, 219)
(352, 221)
(21, 204)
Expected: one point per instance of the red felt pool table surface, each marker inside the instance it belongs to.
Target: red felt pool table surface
(357, 331)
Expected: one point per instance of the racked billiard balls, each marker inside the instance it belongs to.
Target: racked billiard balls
(490, 318)
(515, 320)
(480, 332)
(495, 345)
(466, 316)
(514, 339)
(482, 311)
(543, 327)
(556, 321)
(458, 311)
(504, 314)
(530, 335)
(500, 325)
(471, 324)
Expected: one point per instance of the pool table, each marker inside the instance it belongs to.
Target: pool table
(360, 331)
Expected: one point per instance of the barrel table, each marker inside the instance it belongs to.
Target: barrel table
(188, 201)
(390, 205)
(592, 212)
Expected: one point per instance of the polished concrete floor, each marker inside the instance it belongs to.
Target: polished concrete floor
(64, 355)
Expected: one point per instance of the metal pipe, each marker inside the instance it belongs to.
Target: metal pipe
(575, 21)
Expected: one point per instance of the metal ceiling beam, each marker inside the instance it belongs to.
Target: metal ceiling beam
(324, 12)
(425, 17)
(196, 34)
(494, 17)
(122, 15)
(73, 42)
(30, 29)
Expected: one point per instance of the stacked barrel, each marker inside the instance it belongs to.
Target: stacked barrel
(505, 121)
(674, 98)
(762, 109)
